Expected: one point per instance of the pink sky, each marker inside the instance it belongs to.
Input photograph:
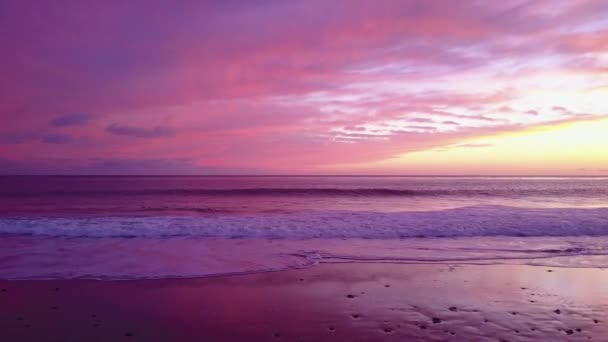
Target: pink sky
(311, 86)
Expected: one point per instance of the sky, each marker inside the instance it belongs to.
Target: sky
(508, 87)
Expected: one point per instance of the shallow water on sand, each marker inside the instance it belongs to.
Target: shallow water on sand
(31, 257)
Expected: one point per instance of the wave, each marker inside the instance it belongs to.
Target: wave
(200, 210)
(460, 222)
(357, 192)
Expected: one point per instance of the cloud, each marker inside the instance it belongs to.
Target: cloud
(73, 119)
(559, 109)
(30, 137)
(140, 132)
(17, 137)
(355, 128)
(152, 166)
(421, 120)
(474, 145)
(67, 166)
(532, 112)
(57, 139)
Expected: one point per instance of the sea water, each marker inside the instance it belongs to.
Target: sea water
(129, 227)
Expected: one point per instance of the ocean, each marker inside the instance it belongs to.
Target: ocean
(132, 227)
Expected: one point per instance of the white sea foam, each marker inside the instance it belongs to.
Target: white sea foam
(471, 221)
(197, 246)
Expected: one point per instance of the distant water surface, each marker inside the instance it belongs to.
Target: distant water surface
(151, 196)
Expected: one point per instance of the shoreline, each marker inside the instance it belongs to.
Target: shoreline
(328, 302)
(41, 258)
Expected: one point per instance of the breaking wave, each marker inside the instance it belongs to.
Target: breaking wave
(460, 222)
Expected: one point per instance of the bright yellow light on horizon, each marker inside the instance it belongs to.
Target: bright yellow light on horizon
(568, 149)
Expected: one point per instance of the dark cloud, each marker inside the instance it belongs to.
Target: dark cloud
(25, 137)
(355, 128)
(454, 123)
(467, 117)
(424, 128)
(559, 109)
(72, 119)
(17, 138)
(141, 132)
(57, 139)
(474, 145)
(66, 166)
(421, 120)
(143, 166)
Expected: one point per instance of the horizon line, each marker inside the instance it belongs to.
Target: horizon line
(299, 175)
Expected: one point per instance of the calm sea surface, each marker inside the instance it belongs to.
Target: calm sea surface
(152, 196)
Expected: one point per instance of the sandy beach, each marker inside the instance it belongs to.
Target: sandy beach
(341, 302)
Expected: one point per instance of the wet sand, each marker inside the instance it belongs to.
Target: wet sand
(341, 302)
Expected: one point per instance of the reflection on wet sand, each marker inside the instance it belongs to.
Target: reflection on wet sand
(361, 302)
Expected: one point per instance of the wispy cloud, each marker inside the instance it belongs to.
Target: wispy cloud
(17, 138)
(57, 139)
(473, 145)
(141, 132)
(73, 119)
